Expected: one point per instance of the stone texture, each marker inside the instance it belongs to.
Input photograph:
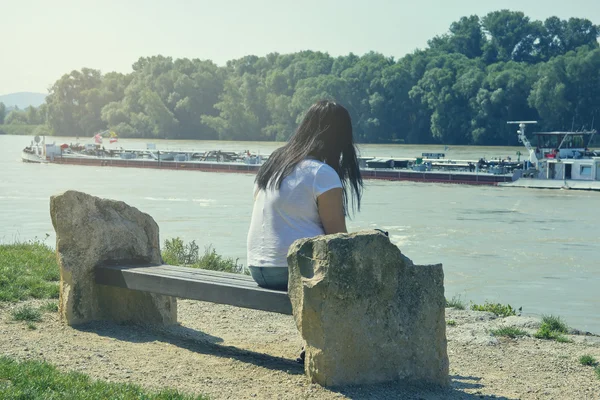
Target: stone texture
(366, 312)
(91, 231)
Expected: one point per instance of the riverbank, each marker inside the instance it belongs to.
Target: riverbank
(227, 352)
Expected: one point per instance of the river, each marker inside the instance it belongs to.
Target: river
(539, 249)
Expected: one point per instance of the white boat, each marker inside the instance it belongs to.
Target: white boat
(560, 160)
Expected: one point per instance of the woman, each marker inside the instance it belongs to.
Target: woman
(302, 191)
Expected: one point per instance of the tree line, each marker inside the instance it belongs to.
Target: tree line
(461, 89)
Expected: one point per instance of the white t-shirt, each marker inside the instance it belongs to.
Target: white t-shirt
(282, 216)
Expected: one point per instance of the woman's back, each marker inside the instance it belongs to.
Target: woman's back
(283, 215)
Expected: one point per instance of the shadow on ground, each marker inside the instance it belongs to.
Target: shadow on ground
(405, 390)
(203, 343)
(192, 340)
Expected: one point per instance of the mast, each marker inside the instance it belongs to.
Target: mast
(523, 139)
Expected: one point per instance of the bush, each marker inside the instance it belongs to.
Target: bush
(451, 322)
(552, 328)
(496, 308)
(179, 253)
(555, 323)
(24, 130)
(456, 302)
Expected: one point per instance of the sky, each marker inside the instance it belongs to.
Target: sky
(40, 40)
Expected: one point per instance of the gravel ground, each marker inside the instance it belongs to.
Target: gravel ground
(233, 353)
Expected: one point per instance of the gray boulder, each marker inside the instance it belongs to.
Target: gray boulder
(366, 312)
(91, 231)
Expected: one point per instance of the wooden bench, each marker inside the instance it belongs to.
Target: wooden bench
(195, 284)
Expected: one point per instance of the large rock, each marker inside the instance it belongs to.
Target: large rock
(91, 231)
(366, 312)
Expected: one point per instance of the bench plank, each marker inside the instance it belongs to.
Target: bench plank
(195, 284)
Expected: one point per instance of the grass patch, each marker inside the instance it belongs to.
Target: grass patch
(27, 313)
(451, 322)
(51, 306)
(587, 360)
(40, 380)
(28, 270)
(31, 326)
(456, 302)
(177, 252)
(555, 323)
(597, 369)
(552, 328)
(502, 310)
(563, 339)
(508, 331)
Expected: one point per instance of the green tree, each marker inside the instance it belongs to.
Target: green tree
(2, 113)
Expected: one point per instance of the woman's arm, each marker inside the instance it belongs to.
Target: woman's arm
(331, 211)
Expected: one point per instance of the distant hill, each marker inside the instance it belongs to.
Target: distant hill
(22, 99)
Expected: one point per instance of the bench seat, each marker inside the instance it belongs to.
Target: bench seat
(195, 284)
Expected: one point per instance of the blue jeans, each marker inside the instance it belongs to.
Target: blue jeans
(275, 278)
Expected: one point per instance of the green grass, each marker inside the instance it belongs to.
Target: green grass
(31, 326)
(555, 323)
(501, 310)
(552, 328)
(51, 306)
(508, 331)
(25, 130)
(40, 380)
(563, 339)
(587, 360)
(177, 252)
(456, 302)
(597, 369)
(451, 322)
(28, 270)
(27, 313)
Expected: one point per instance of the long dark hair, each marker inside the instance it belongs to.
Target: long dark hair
(325, 134)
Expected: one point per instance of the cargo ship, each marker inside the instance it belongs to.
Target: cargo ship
(429, 167)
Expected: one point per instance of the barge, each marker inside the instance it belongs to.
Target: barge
(419, 169)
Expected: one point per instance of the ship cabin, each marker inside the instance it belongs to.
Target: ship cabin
(566, 156)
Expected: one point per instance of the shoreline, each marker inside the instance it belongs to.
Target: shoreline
(228, 352)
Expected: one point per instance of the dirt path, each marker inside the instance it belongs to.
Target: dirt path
(233, 353)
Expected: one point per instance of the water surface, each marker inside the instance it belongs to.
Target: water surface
(539, 249)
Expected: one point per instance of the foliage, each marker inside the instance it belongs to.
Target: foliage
(2, 112)
(502, 310)
(26, 313)
(51, 306)
(552, 328)
(28, 270)
(40, 380)
(24, 130)
(451, 322)
(597, 369)
(555, 323)
(587, 360)
(508, 331)
(456, 302)
(177, 252)
(461, 89)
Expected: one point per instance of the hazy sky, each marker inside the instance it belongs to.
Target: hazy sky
(42, 39)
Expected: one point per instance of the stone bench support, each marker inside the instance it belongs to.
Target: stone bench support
(91, 231)
(366, 312)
